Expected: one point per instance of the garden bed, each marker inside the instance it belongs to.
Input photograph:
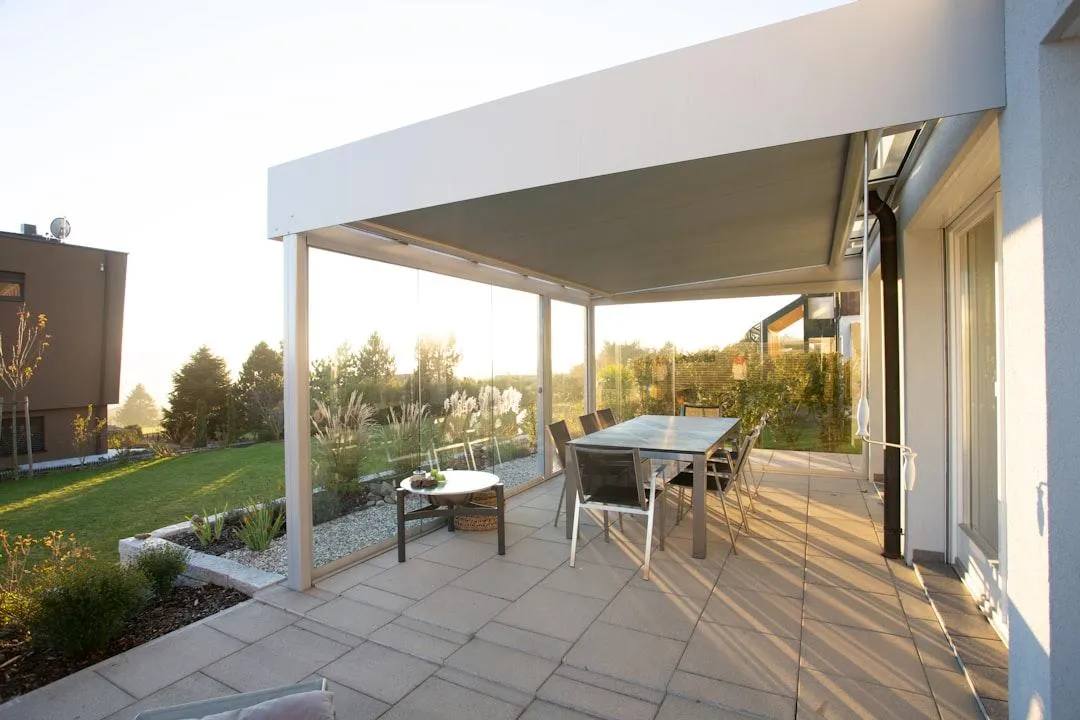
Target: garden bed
(24, 667)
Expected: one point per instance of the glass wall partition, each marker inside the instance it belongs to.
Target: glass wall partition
(568, 364)
(793, 359)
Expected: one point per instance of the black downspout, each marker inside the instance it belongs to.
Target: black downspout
(891, 329)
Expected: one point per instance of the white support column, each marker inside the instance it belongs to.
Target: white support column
(590, 358)
(297, 414)
(545, 451)
(876, 381)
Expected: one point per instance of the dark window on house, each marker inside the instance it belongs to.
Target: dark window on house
(12, 286)
(37, 435)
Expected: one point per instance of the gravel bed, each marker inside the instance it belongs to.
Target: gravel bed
(349, 533)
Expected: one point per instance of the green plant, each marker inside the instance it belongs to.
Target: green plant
(125, 439)
(84, 432)
(342, 432)
(406, 434)
(202, 423)
(86, 606)
(23, 577)
(204, 377)
(161, 565)
(209, 528)
(161, 445)
(260, 524)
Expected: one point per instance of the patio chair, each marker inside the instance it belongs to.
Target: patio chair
(606, 417)
(616, 481)
(309, 700)
(721, 474)
(590, 423)
(701, 411)
(560, 435)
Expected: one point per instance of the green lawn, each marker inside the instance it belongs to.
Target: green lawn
(102, 505)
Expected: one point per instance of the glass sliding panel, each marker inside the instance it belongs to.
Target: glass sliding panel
(514, 353)
(792, 358)
(568, 364)
(367, 429)
(980, 342)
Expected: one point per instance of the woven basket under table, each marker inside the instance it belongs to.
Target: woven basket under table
(478, 523)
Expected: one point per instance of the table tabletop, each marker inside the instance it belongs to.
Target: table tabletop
(458, 482)
(677, 435)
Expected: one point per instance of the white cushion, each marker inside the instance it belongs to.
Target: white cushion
(314, 705)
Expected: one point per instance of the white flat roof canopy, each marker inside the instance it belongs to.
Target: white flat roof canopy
(726, 168)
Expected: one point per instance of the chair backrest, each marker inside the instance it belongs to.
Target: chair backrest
(590, 423)
(701, 411)
(560, 435)
(616, 473)
(606, 416)
(736, 463)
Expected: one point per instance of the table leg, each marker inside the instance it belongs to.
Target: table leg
(401, 524)
(700, 515)
(569, 501)
(500, 505)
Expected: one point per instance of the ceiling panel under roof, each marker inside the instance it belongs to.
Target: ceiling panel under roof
(743, 214)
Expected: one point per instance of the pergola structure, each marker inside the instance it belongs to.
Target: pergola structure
(731, 168)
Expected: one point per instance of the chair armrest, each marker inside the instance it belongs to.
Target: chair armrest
(202, 708)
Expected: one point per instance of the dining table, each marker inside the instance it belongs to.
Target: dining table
(665, 437)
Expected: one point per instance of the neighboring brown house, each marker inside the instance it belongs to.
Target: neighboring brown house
(81, 291)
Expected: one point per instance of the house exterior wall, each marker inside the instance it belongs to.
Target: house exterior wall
(81, 291)
(1040, 184)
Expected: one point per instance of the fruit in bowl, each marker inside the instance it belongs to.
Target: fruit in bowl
(424, 482)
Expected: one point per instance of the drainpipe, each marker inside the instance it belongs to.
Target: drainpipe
(891, 329)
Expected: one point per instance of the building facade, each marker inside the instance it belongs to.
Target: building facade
(81, 292)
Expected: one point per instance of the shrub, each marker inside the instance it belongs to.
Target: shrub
(260, 524)
(84, 432)
(125, 440)
(161, 565)
(86, 607)
(23, 580)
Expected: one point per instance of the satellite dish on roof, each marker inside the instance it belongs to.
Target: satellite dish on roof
(60, 228)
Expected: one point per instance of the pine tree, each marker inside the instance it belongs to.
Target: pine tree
(137, 409)
(205, 378)
(260, 393)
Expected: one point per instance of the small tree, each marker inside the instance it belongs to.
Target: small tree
(17, 367)
(260, 393)
(204, 378)
(85, 430)
(137, 409)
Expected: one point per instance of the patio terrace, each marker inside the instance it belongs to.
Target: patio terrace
(807, 620)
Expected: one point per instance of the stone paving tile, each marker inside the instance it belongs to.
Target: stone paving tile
(457, 609)
(416, 578)
(252, 620)
(930, 642)
(350, 577)
(862, 655)
(776, 578)
(150, 667)
(329, 632)
(543, 646)
(549, 533)
(437, 699)
(379, 598)
(533, 517)
(663, 614)
(990, 682)
(540, 710)
(427, 628)
(956, 604)
(379, 672)
(459, 554)
(187, 689)
(490, 538)
(619, 552)
(284, 657)
(724, 697)
(831, 697)
(916, 605)
(843, 606)
(754, 610)
(539, 553)
(298, 602)
(351, 704)
(744, 657)
(415, 642)
(352, 617)
(770, 551)
(595, 701)
(981, 651)
(607, 682)
(995, 709)
(865, 577)
(504, 665)
(677, 708)
(501, 578)
(782, 530)
(84, 695)
(968, 626)
(851, 549)
(953, 695)
(550, 612)
(673, 572)
(587, 578)
(629, 655)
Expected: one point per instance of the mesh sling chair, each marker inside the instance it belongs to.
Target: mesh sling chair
(606, 417)
(590, 423)
(701, 411)
(560, 435)
(721, 474)
(615, 481)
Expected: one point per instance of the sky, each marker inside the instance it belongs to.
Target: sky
(150, 124)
